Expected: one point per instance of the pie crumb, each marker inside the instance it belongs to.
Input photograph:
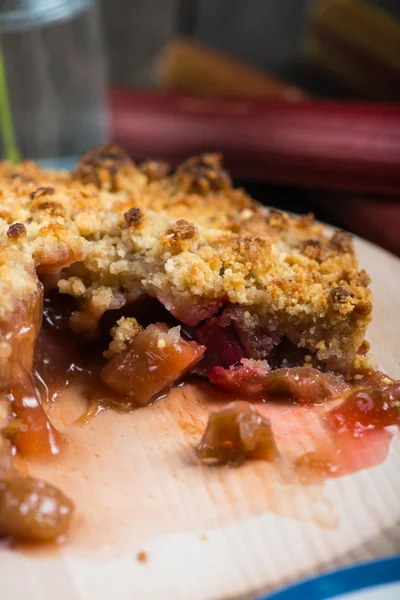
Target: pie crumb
(122, 333)
(142, 557)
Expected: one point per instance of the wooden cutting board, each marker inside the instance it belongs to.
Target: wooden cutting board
(153, 524)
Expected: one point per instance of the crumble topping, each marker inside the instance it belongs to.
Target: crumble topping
(203, 174)
(122, 333)
(133, 216)
(16, 231)
(155, 169)
(42, 191)
(113, 230)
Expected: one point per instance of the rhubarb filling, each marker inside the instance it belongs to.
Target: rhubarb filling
(133, 365)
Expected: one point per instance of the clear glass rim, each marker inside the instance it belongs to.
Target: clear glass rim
(19, 15)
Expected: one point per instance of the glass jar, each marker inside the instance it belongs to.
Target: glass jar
(52, 78)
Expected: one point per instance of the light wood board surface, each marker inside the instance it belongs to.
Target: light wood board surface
(208, 533)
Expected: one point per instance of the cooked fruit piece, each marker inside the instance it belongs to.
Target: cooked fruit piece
(190, 311)
(235, 433)
(367, 408)
(247, 379)
(304, 384)
(31, 509)
(35, 435)
(298, 384)
(20, 327)
(219, 335)
(6, 459)
(18, 335)
(156, 358)
(6, 455)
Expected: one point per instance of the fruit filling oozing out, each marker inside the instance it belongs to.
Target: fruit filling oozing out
(136, 364)
(123, 298)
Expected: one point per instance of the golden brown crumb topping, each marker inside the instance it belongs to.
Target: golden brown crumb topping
(42, 191)
(104, 167)
(16, 231)
(122, 334)
(203, 174)
(113, 230)
(133, 216)
(155, 169)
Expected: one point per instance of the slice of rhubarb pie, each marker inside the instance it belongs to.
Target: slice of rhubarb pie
(147, 276)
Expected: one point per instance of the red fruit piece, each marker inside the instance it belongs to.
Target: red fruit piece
(248, 379)
(299, 384)
(365, 409)
(223, 344)
(157, 357)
